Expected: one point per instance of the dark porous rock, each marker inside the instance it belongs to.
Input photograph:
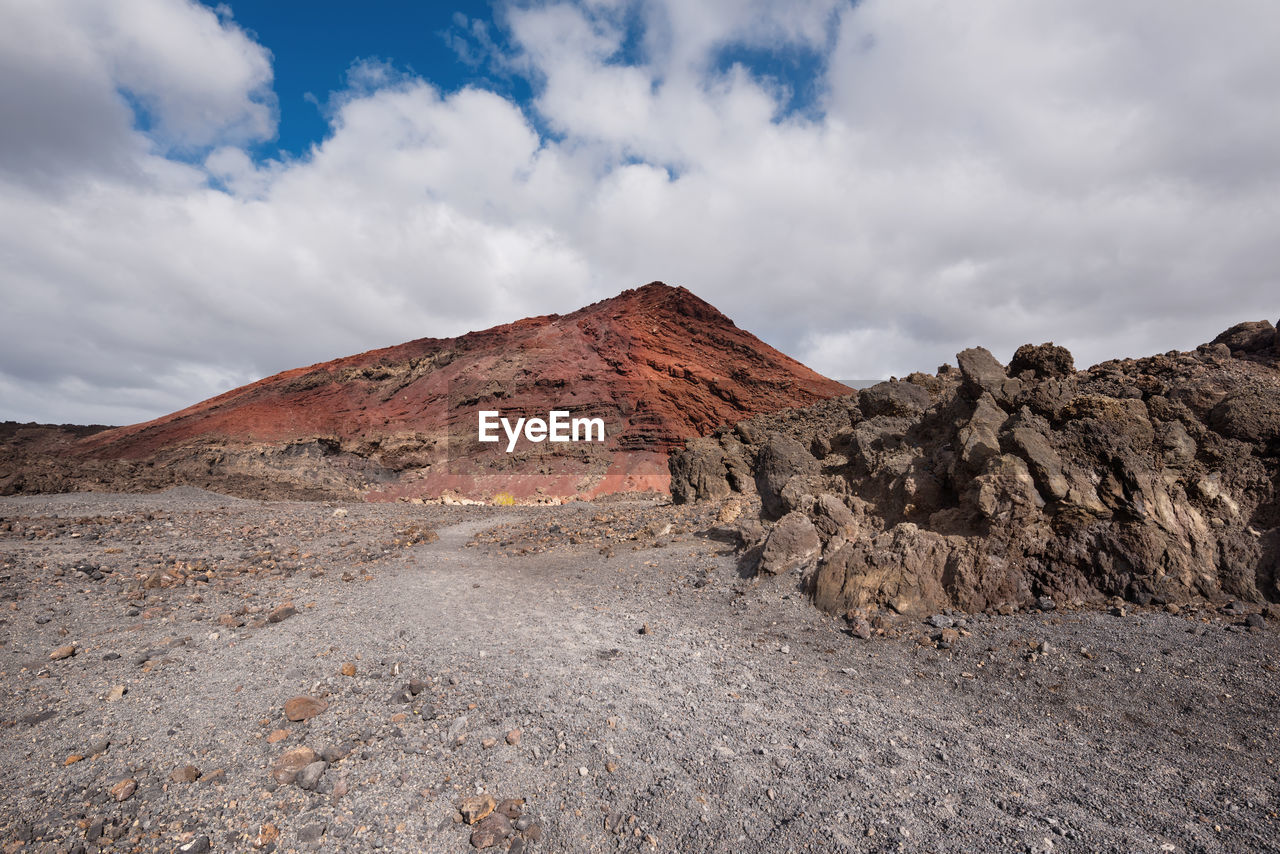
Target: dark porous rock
(1043, 360)
(699, 473)
(1147, 480)
(1252, 416)
(894, 398)
(491, 831)
(199, 845)
(1252, 336)
(792, 543)
(781, 459)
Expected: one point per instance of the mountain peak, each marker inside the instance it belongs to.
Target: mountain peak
(656, 364)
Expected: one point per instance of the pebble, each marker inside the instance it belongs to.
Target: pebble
(309, 776)
(476, 807)
(282, 613)
(124, 790)
(513, 738)
(199, 845)
(117, 692)
(348, 669)
(491, 830)
(312, 832)
(303, 708)
(185, 774)
(940, 621)
(65, 651)
(290, 763)
(1255, 621)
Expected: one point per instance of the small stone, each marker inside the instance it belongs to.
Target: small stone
(1116, 611)
(65, 651)
(199, 845)
(487, 743)
(98, 745)
(267, 835)
(277, 736)
(290, 763)
(533, 832)
(1255, 621)
(940, 621)
(124, 790)
(1173, 608)
(117, 692)
(582, 772)
(185, 774)
(491, 830)
(860, 628)
(348, 669)
(948, 636)
(611, 766)
(417, 686)
(1046, 603)
(308, 777)
(644, 630)
(72, 759)
(512, 808)
(311, 832)
(476, 807)
(303, 708)
(281, 613)
(513, 738)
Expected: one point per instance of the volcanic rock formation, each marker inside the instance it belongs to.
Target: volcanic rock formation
(656, 363)
(986, 486)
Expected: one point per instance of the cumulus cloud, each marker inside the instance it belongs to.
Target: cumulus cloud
(1103, 175)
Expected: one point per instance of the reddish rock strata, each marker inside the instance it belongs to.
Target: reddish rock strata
(656, 363)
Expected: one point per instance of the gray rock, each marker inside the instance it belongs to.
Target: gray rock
(940, 621)
(894, 398)
(781, 459)
(308, 777)
(791, 544)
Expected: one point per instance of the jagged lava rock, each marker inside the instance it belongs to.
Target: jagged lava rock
(989, 488)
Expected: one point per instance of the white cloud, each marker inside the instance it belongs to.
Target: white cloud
(1103, 175)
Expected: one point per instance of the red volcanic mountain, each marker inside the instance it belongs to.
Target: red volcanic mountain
(656, 364)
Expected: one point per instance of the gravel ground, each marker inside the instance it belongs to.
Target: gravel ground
(618, 676)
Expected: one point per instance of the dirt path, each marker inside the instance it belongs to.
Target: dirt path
(742, 720)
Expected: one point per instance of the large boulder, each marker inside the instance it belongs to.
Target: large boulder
(699, 473)
(1043, 360)
(792, 543)
(893, 398)
(1250, 337)
(781, 459)
(980, 372)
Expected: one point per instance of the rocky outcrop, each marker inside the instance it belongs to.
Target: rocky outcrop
(985, 487)
(656, 364)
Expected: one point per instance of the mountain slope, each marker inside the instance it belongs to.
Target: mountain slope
(656, 364)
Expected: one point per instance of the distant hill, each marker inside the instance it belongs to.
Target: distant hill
(655, 364)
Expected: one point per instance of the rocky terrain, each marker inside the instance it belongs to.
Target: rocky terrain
(988, 487)
(656, 363)
(187, 672)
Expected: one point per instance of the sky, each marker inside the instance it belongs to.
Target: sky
(194, 196)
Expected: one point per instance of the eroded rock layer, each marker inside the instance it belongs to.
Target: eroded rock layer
(985, 486)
